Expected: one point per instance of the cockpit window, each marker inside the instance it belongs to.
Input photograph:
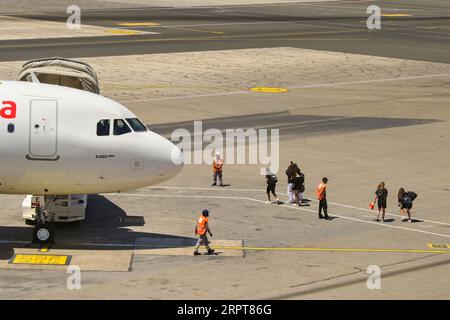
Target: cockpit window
(136, 125)
(120, 127)
(103, 127)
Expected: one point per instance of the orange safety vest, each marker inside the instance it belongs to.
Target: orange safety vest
(320, 192)
(201, 225)
(217, 166)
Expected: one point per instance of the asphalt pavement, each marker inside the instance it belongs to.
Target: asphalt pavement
(418, 30)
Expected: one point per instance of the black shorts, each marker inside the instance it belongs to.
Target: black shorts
(405, 207)
(270, 188)
(382, 205)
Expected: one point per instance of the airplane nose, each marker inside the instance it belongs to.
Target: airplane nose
(167, 157)
(176, 158)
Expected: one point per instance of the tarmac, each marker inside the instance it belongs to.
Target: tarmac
(356, 118)
(415, 30)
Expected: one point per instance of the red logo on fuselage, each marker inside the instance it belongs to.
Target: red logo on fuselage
(8, 111)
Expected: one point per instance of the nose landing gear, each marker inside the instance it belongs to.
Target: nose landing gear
(43, 232)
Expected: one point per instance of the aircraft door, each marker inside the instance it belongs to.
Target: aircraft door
(43, 128)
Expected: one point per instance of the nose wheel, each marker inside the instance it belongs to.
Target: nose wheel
(43, 234)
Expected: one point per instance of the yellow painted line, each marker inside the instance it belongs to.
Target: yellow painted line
(44, 249)
(122, 32)
(40, 259)
(438, 246)
(206, 38)
(137, 24)
(333, 249)
(396, 15)
(269, 89)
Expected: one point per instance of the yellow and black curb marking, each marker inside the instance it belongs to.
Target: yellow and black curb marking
(41, 259)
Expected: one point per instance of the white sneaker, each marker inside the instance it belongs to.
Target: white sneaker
(268, 202)
(404, 219)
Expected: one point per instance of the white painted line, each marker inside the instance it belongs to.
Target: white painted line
(390, 214)
(286, 206)
(173, 196)
(334, 203)
(359, 220)
(307, 86)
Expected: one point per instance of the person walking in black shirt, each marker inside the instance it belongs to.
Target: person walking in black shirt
(271, 180)
(405, 202)
(298, 188)
(381, 198)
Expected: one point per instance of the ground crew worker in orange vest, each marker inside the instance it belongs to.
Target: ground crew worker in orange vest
(321, 193)
(200, 229)
(217, 169)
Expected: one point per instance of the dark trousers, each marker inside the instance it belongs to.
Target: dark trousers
(323, 205)
(217, 174)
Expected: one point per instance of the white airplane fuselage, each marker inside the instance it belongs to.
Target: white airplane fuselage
(56, 140)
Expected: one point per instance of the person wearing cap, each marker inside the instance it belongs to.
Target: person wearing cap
(321, 193)
(217, 169)
(201, 229)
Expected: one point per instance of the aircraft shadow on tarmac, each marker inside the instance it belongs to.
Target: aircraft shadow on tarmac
(105, 228)
(291, 124)
(6, 252)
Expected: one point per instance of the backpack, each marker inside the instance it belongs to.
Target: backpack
(407, 202)
(412, 195)
(302, 177)
(274, 178)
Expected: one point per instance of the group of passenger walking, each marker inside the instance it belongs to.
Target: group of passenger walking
(295, 193)
(296, 189)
